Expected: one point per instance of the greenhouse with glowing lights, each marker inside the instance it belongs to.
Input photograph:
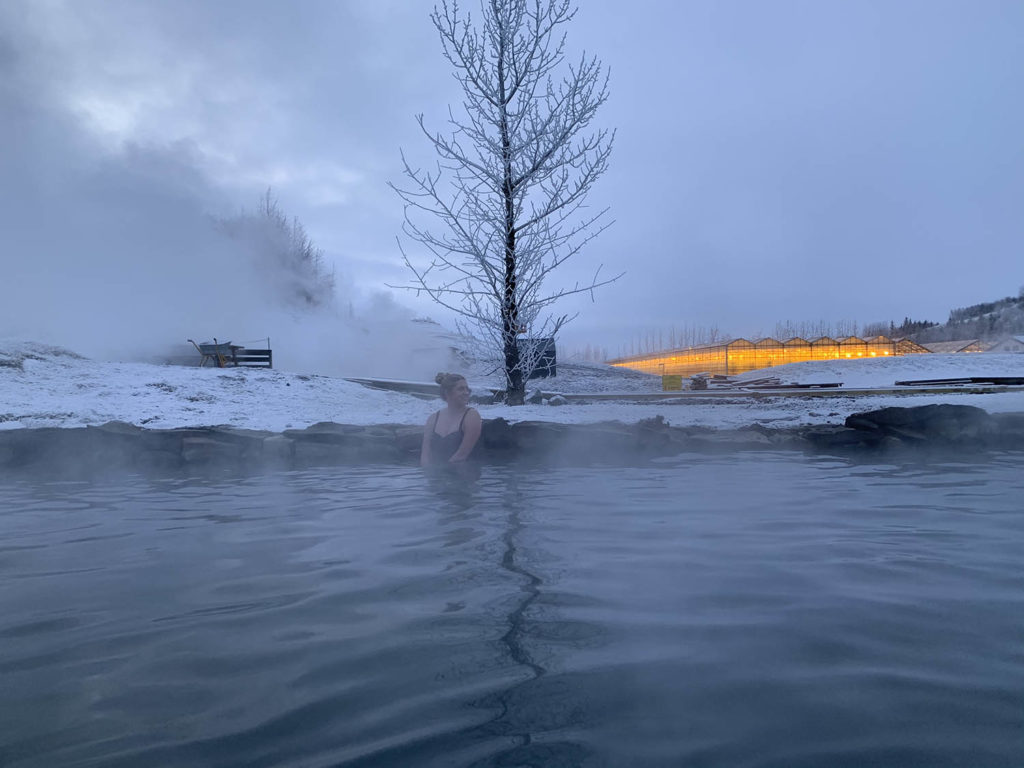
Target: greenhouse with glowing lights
(739, 355)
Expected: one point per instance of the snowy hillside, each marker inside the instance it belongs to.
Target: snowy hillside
(886, 371)
(43, 386)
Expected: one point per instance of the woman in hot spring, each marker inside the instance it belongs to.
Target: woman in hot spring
(451, 433)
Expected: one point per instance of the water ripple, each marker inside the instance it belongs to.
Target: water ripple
(758, 611)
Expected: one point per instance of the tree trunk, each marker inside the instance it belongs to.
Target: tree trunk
(510, 311)
(516, 392)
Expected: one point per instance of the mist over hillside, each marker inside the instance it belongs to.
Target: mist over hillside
(122, 252)
(986, 321)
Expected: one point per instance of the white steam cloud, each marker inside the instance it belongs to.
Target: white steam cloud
(114, 253)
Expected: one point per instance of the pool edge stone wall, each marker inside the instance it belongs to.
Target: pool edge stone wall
(118, 446)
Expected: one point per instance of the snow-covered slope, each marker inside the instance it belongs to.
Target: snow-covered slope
(886, 371)
(42, 386)
(47, 386)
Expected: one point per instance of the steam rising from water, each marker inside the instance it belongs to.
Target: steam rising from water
(113, 252)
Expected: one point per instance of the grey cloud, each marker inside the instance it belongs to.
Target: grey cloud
(793, 159)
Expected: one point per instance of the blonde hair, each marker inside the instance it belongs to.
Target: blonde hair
(447, 382)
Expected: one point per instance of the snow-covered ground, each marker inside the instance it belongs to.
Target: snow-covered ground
(886, 371)
(43, 386)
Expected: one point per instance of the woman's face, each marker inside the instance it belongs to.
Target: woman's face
(459, 394)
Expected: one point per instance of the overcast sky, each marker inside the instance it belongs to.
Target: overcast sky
(806, 161)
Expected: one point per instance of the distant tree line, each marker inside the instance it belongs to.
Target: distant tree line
(978, 311)
(908, 329)
(787, 329)
(988, 321)
(294, 267)
(588, 354)
(652, 341)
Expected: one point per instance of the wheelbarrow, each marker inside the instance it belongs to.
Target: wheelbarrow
(218, 352)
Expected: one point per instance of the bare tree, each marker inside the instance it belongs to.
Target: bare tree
(511, 178)
(293, 266)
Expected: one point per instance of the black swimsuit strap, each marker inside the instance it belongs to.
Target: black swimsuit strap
(437, 415)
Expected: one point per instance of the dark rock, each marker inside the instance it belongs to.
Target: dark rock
(729, 440)
(408, 440)
(1009, 431)
(537, 437)
(496, 436)
(326, 432)
(612, 441)
(1012, 422)
(328, 443)
(278, 452)
(306, 453)
(791, 438)
(77, 452)
(842, 439)
(159, 462)
(116, 446)
(210, 453)
(653, 436)
(6, 448)
(654, 423)
(942, 423)
(379, 447)
(168, 440)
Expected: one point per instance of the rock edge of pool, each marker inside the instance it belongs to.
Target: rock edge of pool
(119, 446)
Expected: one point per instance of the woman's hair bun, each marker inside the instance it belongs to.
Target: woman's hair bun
(447, 382)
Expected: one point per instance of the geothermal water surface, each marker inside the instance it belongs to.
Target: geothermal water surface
(753, 610)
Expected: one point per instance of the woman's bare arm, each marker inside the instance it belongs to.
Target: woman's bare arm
(425, 446)
(471, 428)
